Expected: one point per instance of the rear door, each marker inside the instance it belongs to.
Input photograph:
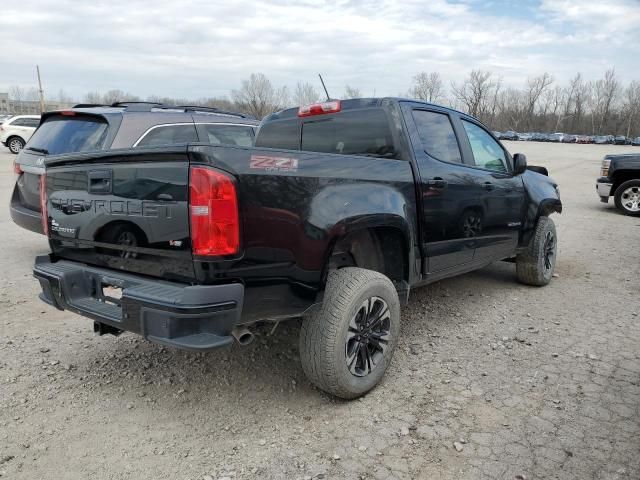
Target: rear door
(446, 190)
(122, 210)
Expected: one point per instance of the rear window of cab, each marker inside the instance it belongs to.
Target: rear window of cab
(356, 132)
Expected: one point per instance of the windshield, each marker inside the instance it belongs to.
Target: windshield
(65, 134)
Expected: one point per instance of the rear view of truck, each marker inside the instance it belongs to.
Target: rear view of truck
(192, 245)
(123, 232)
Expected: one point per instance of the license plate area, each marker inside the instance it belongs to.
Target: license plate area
(111, 294)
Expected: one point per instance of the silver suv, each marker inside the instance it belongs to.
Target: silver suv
(122, 125)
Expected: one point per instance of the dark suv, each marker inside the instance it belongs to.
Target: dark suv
(121, 125)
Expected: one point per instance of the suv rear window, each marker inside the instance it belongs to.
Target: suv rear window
(169, 134)
(356, 132)
(217, 134)
(64, 134)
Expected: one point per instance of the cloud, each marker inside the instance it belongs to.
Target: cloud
(196, 48)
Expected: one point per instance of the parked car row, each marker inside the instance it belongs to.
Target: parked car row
(567, 138)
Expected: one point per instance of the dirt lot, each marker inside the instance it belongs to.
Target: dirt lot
(530, 382)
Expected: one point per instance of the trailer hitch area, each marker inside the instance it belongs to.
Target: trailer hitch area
(103, 329)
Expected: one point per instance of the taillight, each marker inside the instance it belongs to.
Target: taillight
(68, 113)
(319, 108)
(213, 203)
(44, 214)
(17, 169)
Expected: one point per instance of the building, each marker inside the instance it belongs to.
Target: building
(26, 107)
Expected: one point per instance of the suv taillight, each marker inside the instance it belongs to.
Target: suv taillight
(44, 214)
(213, 205)
(17, 169)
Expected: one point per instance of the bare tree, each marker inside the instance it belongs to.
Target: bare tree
(31, 94)
(428, 87)
(114, 96)
(64, 99)
(351, 92)
(16, 93)
(474, 92)
(535, 88)
(606, 91)
(632, 104)
(93, 98)
(258, 97)
(305, 93)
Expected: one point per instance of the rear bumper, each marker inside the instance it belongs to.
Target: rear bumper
(189, 317)
(603, 187)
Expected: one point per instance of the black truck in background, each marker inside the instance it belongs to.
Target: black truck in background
(336, 213)
(620, 179)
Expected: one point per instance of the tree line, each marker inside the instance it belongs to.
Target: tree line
(604, 106)
(582, 106)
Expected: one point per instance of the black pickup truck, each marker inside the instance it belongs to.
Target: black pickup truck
(620, 178)
(338, 210)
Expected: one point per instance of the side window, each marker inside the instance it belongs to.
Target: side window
(240, 135)
(169, 134)
(18, 122)
(437, 135)
(34, 122)
(487, 152)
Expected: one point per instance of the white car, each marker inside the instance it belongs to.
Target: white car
(16, 131)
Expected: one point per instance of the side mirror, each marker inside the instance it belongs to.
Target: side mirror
(519, 163)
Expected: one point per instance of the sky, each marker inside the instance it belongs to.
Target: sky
(205, 48)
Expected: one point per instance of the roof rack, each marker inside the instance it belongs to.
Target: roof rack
(197, 108)
(136, 106)
(89, 105)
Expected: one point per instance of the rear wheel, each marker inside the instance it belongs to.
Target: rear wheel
(627, 198)
(536, 265)
(15, 144)
(347, 345)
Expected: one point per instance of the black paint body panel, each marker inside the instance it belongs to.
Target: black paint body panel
(294, 206)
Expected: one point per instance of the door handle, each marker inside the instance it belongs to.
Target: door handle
(488, 186)
(437, 183)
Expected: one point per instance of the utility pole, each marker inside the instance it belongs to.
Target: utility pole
(40, 90)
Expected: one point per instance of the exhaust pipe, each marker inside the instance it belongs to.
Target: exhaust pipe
(242, 335)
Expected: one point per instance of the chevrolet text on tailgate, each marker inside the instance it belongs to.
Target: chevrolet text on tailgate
(336, 213)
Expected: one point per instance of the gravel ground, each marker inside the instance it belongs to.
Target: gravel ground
(491, 379)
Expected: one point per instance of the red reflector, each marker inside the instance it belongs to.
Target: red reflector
(319, 108)
(17, 169)
(68, 113)
(213, 203)
(44, 213)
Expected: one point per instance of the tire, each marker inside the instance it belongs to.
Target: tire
(536, 265)
(329, 337)
(15, 144)
(627, 198)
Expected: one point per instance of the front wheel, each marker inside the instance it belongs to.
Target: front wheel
(536, 264)
(627, 198)
(347, 344)
(15, 144)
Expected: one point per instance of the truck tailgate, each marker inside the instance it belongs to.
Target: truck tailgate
(122, 211)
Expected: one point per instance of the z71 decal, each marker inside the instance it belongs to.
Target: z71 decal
(278, 164)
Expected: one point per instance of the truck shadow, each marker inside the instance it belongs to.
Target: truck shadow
(269, 369)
